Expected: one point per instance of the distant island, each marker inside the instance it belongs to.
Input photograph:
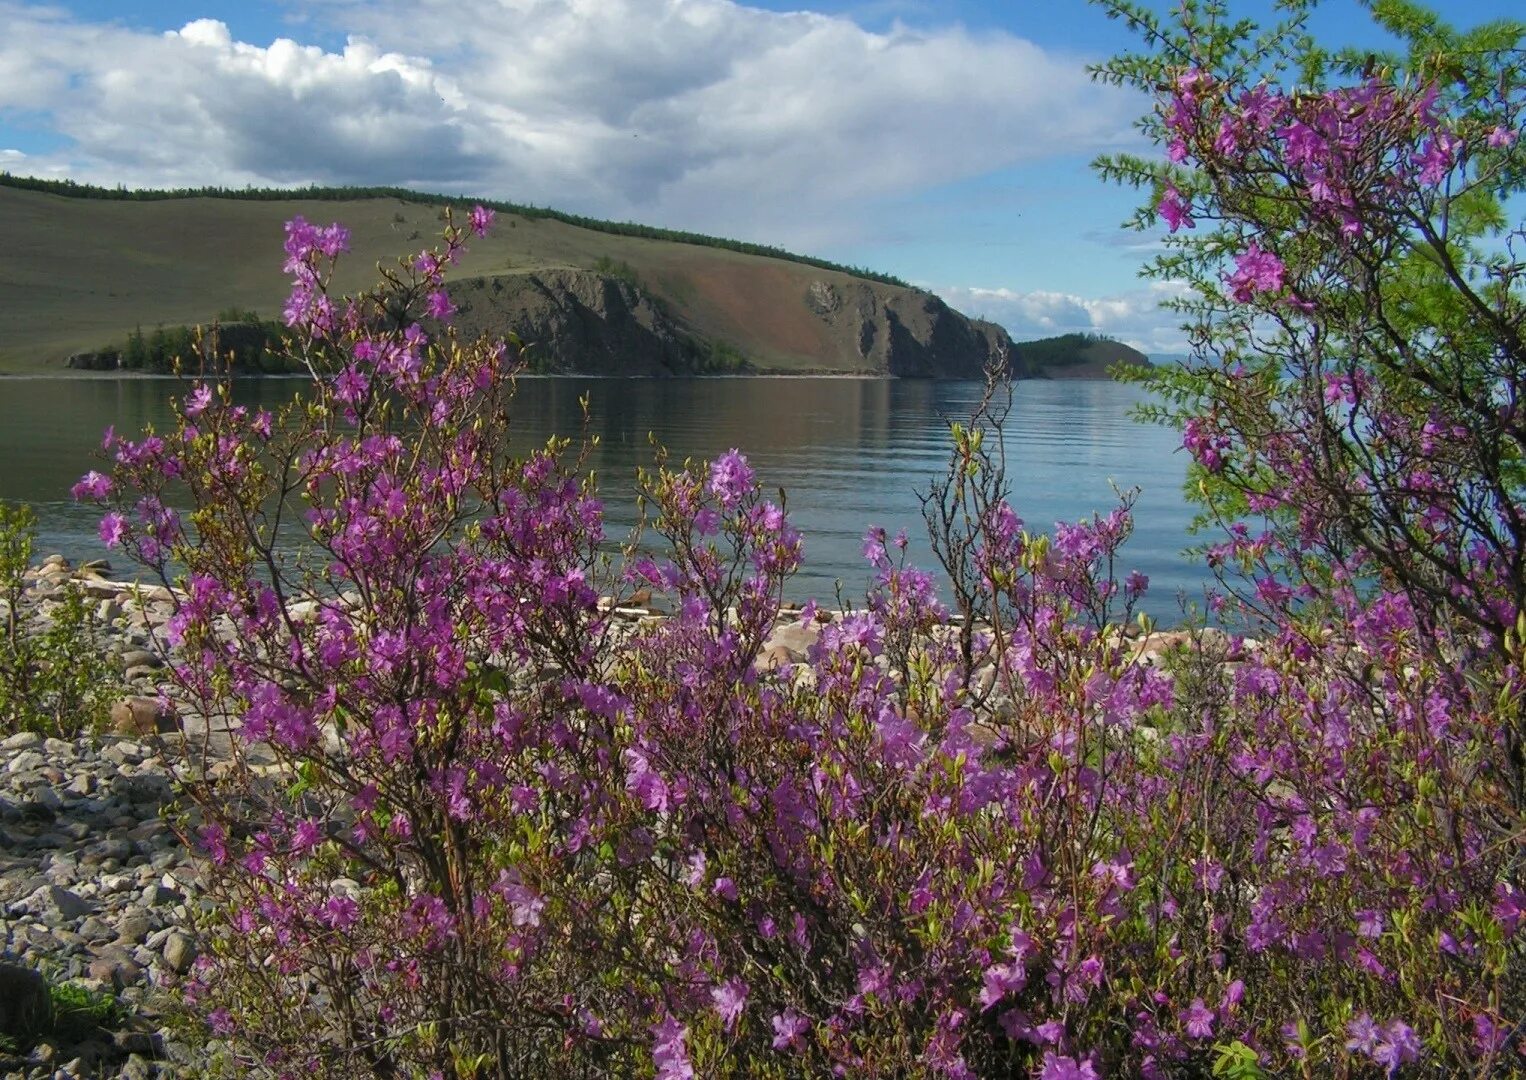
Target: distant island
(120, 280)
(1077, 356)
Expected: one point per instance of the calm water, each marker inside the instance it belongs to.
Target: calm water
(849, 452)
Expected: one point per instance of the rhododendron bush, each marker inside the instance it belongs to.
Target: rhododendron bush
(477, 824)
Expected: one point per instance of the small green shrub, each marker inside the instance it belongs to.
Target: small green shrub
(54, 675)
(618, 269)
(78, 1012)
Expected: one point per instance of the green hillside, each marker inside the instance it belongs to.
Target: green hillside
(82, 268)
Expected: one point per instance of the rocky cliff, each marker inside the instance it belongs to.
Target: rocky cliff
(578, 321)
(582, 321)
(907, 332)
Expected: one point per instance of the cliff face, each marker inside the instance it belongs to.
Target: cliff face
(577, 321)
(581, 321)
(908, 333)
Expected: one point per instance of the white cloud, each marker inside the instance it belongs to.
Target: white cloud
(1135, 317)
(704, 114)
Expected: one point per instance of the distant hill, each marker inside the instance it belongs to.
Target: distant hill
(82, 269)
(1076, 356)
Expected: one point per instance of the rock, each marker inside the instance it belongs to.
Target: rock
(115, 970)
(794, 639)
(133, 929)
(26, 761)
(26, 1007)
(68, 905)
(134, 1042)
(774, 658)
(22, 740)
(133, 658)
(141, 716)
(179, 952)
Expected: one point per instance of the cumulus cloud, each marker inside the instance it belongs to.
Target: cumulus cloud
(1135, 317)
(704, 114)
(195, 107)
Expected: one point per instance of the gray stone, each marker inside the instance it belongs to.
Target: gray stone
(26, 761)
(113, 848)
(22, 740)
(141, 658)
(133, 929)
(179, 952)
(67, 904)
(96, 929)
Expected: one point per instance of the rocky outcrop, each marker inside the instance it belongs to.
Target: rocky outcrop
(581, 321)
(907, 332)
(578, 321)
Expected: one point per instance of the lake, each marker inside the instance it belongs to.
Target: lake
(849, 452)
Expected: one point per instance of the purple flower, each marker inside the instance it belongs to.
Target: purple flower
(214, 841)
(1501, 137)
(669, 1053)
(1059, 1067)
(340, 913)
(1398, 1045)
(789, 1030)
(730, 998)
(91, 486)
(731, 478)
(481, 219)
(1436, 157)
(439, 306)
(220, 1021)
(1255, 271)
(1197, 1019)
(1001, 980)
(1362, 1034)
(308, 835)
(113, 527)
(200, 398)
(1176, 211)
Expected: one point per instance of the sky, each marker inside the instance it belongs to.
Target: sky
(944, 141)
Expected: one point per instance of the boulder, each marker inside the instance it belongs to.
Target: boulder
(26, 1007)
(142, 716)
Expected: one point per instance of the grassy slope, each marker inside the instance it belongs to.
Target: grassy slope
(79, 274)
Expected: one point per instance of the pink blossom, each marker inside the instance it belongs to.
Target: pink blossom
(1175, 210)
(730, 998)
(200, 398)
(1059, 1067)
(91, 486)
(1255, 271)
(439, 306)
(789, 1030)
(113, 528)
(1501, 137)
(1197, 1020)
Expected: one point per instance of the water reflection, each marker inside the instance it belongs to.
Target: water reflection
(850, 453)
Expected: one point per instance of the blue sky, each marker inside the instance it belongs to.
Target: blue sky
(945, 141)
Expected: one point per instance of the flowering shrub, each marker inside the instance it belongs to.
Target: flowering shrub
(510, 834)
